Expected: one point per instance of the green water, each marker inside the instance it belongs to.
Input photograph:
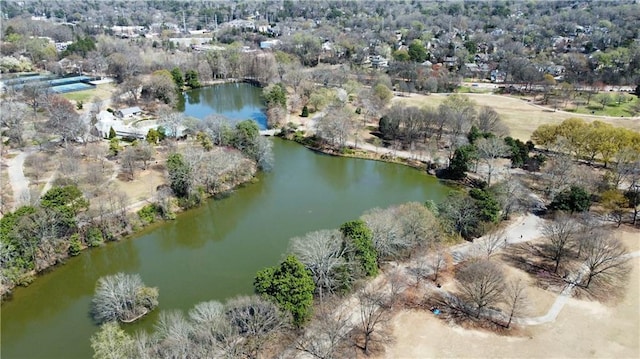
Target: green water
(208, 253)
(236, 101)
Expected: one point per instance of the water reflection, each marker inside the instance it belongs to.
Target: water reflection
(236, 101)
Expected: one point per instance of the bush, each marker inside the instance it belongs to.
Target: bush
(149, 213)
(574, 199)
(74, 245)
(305, 111)
(94, 237)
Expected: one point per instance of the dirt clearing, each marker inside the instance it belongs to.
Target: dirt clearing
(583, 329)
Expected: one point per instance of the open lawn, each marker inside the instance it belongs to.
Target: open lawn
(624, 109)
(102, 92)
(520, 116)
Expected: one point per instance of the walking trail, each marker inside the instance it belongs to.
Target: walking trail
(19, 183)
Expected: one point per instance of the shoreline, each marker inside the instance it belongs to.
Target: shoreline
(6, 292)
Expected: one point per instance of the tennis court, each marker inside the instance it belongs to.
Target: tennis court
(78, 86)
(55, 84)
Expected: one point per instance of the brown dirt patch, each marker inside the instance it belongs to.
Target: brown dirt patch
(143, 185)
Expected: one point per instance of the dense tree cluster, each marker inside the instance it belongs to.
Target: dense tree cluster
(241, 327)
(36, 237)
(592, 141)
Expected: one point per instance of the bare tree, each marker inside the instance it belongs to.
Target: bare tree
(218, 128)
(559, 234)
(122, 297)
(387, 232)
(263, 153)
(144, 152)
(516, 299)
(559, 171)
(143, 345)
(512, 195)
(420, 269)
(336, 126)
(322, 253)
(12, 119)
(489, 121)
(172, 122)
(128, 158)
(459, 113)
(325, 336)
(41, 235)
(173, 333)
(481, 283)
(490, 244)
(63, 119)
(256, 319)
(438, 262)
(35, 94)
(419, 225)
(213, 334)
(605, 256)
(374, 313)
(490, 149)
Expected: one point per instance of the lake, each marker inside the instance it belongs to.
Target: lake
(211, 252)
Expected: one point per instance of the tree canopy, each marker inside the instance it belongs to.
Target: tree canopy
(290, 285)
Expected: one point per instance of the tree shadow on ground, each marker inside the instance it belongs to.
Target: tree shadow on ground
(532, 260)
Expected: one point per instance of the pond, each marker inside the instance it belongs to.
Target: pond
(236, 101)
(211, 252)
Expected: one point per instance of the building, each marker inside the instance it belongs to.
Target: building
(129, 112)
(268, 44)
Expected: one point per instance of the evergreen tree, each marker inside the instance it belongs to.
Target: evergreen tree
(574, 199)
(361, 238)
(290, 286)
(176, 74)
(459, 164)
(179, 174)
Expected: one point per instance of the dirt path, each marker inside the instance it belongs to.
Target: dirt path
(19, 183)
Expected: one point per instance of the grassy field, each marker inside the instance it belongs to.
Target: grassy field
(613, 109)
(102, 92)
(520, 116)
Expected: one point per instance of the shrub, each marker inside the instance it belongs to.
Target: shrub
(574, 199)
(305, 111)
(74, 245)
(94, 237)
(149, 213)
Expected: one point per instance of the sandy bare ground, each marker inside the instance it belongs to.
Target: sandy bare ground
(520, 116)
(582, 329)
